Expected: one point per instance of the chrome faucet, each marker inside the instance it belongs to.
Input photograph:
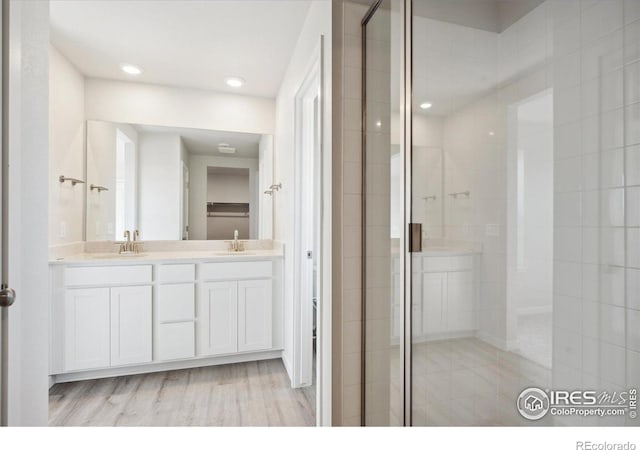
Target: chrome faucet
(235, 245)
(130, 246)
(124, 246)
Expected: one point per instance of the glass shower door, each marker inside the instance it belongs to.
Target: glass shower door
(525, 178)
(509, 132)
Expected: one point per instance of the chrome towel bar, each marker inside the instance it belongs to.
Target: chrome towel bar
(74, 181)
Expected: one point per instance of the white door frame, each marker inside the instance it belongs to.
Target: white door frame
(25, 232)
(307, 233)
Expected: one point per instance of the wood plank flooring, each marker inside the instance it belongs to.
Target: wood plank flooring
(256, 393)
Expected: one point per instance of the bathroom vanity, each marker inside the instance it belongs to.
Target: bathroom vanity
(444, 294)
(119, 315)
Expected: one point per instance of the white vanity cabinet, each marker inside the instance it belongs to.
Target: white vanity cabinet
(123, 318)
(443, 300)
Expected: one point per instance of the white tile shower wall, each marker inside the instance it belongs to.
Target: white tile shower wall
(595, 53)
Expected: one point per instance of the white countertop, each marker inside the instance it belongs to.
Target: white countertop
(102, 259)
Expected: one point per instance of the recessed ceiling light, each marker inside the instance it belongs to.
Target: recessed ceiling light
(379, 123)
(235, 82)
(131, 69)
(492, 133)
(426, 105)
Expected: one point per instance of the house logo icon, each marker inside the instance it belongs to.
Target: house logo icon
(533, 403)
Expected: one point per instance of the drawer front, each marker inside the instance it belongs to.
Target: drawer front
(446, 263)
(176, 273)
(91, 276)
(176, 302)
(459, 263)
(236, 270)
(176, 341)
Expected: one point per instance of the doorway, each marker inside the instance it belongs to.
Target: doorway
(307, 261)
(530, 227)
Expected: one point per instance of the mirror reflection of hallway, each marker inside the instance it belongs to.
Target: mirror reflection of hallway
(228, 203)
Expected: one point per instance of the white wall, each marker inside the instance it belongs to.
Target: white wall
(148, 104)
(318, 23)
(160, 192)
(227, 188)
(66, 149)
(198, 188)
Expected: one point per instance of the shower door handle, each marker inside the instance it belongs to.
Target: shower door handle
(415, 237)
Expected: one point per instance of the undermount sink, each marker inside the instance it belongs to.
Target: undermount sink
(118, 255)
(234, 253)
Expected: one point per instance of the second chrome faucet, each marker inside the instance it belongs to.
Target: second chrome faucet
(130, 246)
(236, 245)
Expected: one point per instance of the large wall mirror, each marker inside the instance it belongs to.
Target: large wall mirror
(177, 183)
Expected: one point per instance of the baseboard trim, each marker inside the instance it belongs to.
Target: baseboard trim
(162, 366)
(287, 367)
(501, 344)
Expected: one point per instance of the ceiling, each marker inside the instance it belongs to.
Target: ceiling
(195, 44)
(205, 142)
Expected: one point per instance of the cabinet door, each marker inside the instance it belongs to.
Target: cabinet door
(175, 341)
(255, 319)
(86, 329)
(433, 293)
(460, 305)
(131, 325)
(218, 318)
(176, 303)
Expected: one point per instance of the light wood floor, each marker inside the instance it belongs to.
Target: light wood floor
(247, 394)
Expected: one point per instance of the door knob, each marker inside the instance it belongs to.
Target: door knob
(7, 297)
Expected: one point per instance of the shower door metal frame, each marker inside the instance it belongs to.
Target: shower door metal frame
(406, 108)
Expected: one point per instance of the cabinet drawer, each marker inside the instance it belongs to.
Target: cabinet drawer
(446, 263)
(176, 302)
(176, 341)
(176, 273)
(90, 276)
(236, 270)
(461, 263)
(435, 264)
